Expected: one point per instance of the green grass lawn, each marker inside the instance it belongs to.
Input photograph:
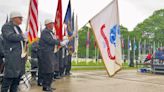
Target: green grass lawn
(91, 63)
(82, 65)
(100, 66)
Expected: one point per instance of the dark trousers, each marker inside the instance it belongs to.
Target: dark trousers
(40, 77)
(61, 67)
(34, 65)
(61, 62)
(47, 80)
(68, 65)
(10, 84)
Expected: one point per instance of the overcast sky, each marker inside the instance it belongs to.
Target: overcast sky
(131, 13)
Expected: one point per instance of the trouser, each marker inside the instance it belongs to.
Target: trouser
(61, 67)
(10, 84)
(56, 64)
(40, 77)
(61, 62)
(34, 65)
(47, 80)
(68, 65)
(1, 67)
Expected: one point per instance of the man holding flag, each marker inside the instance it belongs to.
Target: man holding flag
(47, 43)
(68, 25)
(14, 63)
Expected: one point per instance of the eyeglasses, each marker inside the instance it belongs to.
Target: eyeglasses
(20, 18)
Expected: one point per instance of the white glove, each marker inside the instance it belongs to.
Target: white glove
(65, 38)
(64, 42)
(25, 35)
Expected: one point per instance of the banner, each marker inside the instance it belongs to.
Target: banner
(107, 33)
(58, 21)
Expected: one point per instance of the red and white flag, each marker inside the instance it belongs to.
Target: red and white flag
(32, 22)
(58, 21)
(107, 33)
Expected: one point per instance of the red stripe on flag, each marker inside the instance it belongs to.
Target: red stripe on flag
(32, 28)
(36, 5)
(33, 20)
(34, 16)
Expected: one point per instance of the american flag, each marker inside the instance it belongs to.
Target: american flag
(32, 22)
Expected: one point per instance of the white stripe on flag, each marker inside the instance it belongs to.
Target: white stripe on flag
(33, 19)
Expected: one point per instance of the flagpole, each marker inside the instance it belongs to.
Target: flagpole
(139, 50)
(154, 47)
(87, 47)
(89, 44)
(122, 45)
(76, 50)
(7, 19)
(128, 51)
(134, 49)
(77, 40)
(123, 54)
(95, 54)
(158, 45)
(145, 47)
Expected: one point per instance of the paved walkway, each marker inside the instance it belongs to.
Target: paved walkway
(98, 81)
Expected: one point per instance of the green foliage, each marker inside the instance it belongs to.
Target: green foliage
(81, 65)
(82, 42)
(154, 24)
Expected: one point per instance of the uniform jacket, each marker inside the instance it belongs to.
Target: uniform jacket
(46, 51)
(14, 64)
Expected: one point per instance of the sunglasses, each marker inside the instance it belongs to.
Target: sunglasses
(20, 18)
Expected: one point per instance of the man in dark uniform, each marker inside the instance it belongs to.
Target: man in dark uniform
(47, 43)
(62, 58)
(14, 63)
(68, 60)
(70, 50)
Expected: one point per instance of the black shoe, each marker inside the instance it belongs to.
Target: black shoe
(62, 75)
(57, 77)
(47, 89)
(53, 88)
(39, 84)
(67, 74)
